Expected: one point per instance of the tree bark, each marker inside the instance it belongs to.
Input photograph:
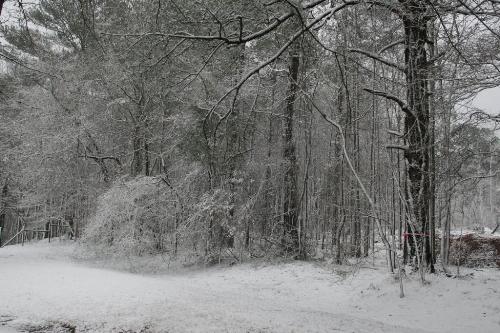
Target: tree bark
(138, 151)
(291, 204)
(1, 6)
(417, 125)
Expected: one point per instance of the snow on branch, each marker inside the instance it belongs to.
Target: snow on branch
(404, 107)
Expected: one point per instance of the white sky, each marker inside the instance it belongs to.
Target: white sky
(488, 100)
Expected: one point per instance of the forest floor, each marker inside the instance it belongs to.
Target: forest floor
(44, 289)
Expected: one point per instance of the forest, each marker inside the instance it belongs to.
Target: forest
(222, 132)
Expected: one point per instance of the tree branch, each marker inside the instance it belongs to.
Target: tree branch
(380, 59)
(102, 158)
(400, 147)
(404, 107)
(292, 39)
(390, 46)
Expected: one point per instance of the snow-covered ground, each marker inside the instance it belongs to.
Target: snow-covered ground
(40, 284)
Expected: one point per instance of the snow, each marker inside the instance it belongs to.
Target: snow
(462, 232)
(42, 283)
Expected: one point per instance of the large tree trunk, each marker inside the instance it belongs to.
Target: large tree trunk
(270, 189)
(291, 204)
(417, 133)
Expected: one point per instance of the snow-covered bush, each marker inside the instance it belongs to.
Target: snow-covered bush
(212, 221)
(188, 220)
(134, 217)
(145, 216)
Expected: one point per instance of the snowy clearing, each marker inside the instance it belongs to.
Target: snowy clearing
(40, 284)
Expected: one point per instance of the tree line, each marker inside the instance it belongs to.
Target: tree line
(240, 129)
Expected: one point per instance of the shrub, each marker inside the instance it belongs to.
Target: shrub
(134, 217)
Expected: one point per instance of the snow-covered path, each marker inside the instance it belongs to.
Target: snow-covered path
(40, 283)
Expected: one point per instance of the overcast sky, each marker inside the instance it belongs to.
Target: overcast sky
(488, 100)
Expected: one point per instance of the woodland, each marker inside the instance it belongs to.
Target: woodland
(222, 131)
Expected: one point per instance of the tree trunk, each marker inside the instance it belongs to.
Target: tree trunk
(138, 150)
(3, 197)
(291, 204)
(1, 6)
(417, 134)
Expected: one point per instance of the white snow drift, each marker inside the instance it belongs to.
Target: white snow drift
(40, 283)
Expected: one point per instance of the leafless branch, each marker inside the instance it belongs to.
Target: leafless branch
(379, 59)
(404, 107)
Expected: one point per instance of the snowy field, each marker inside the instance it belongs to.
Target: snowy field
(42, 289)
